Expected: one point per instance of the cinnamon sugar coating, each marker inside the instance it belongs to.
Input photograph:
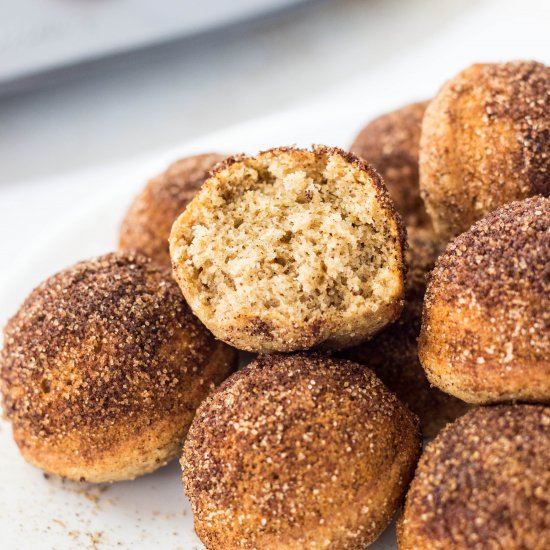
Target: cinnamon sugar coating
(483, 484)
(486, 323)
(146, 226)
(298, 452)
(485, 142)
(390, 143)
(103, 367)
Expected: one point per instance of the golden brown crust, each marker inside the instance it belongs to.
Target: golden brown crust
(393, 353)
(103, 367)
(485, 142)
(298, 452)
(486, 324)
(146, 226)
(252, 330)
(391, 142)
(483, 484)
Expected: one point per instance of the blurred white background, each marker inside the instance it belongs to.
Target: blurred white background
(146, 100)
(39, 35)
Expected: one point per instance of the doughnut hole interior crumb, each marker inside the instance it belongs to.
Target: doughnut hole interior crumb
(298, 245)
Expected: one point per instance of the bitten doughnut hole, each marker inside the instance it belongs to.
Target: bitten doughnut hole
(293, 238)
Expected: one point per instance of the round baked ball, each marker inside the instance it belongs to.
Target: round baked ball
(486, 324)
(393, 353)
(291, 249)
(298, 452)
(391, 142)
(103, 368)
(147, 224)
(483, 483)
(485, 142)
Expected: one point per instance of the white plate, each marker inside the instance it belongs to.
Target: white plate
(151, 512)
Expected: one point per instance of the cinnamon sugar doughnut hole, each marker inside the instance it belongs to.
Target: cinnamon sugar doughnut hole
(390, 143)
(103, 367)
(291, 249)
(485, 332)
(483, 483)
(298, 452)
(485, 142)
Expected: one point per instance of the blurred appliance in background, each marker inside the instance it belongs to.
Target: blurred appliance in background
(37, 36)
